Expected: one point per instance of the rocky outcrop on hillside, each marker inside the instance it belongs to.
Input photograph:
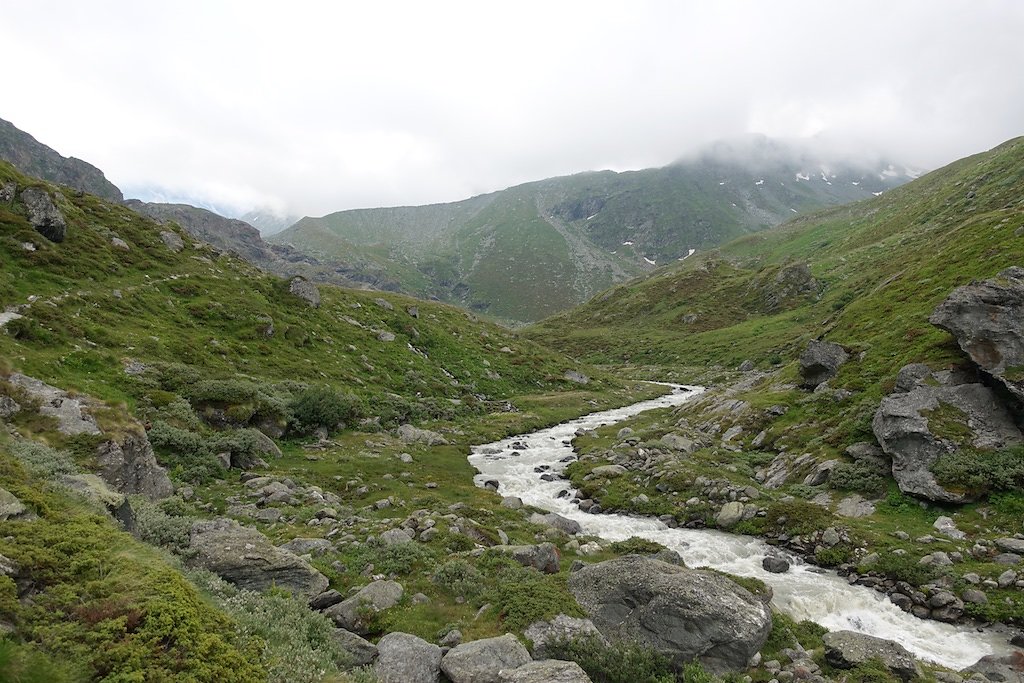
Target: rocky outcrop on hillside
(987, 320)
(820, 361)
(33, 158)
(933, 414)
(685, 614)
(43, 214)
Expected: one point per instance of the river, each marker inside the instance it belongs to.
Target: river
(804, 592)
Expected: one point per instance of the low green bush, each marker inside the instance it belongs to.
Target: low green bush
(42, 461)
(625, 662)
(524, 595)
(637, 546)
(788, 633)
(977, 472)
(460, 578)
(904, 568)
(857, 476)
(323, 407)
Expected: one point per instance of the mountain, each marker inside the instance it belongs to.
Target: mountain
(36, 159)
(535, 249)
(268, 221)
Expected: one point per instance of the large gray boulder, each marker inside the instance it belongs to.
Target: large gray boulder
(10, 506)
(820, 361)
(987, 320)
(411, 434)
(245, 557)
(685, 614)
(546, 671)
(43, 214)
(935, 417)
(847, 649)
(557, 521)
(359, 651)
(1005, 669)
(542, 557)
(404, 658)
(354, 613)
(479, 661)
(129, 465)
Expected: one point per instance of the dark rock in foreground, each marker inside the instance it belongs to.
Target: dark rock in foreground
(820, 361)
(847, 649)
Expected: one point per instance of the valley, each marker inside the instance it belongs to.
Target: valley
(847, 460)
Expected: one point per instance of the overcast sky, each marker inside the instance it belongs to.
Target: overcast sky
(309, 107)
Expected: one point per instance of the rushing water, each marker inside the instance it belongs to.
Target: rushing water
(804, 592)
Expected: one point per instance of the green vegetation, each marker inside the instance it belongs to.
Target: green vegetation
(625, 663)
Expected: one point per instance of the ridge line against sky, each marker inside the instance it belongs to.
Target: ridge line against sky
(314, 106)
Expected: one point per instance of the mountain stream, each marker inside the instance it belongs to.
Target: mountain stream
(804, 592)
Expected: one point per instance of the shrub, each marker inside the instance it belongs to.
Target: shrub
(459, 577)
(636, 545)
(858, 476)
(905, 568)
(787, 633)
(323, 407)
(524, 595)
(834, 556)
(978, 472)
(798, 517)
(186, 453)
(155, 526)
(43, 461)
(625, 662)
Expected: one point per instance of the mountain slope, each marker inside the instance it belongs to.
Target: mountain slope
(538, 248)
(36, 159)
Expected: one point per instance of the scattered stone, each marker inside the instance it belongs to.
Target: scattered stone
(172, 241)
(1011, 545)
(609, 471)
(404, 658)
(1004, 669)
(384, 303)
(543, 557)
(577, 377)
(775, 564)
(746, 366)
(395, 537)
(385, 336)
(43, 214)
(974, 596)
(821, 472)
(512, 502)
(677, 442)
(854, 506)
(451, 639)
(325, 600)
(847, 649)
(308, 546)
(8, 407)
(556, 521)
(729, 515)
(58, 404)
(947, 527)
(10, 506)
(480, 661)
(119, 243)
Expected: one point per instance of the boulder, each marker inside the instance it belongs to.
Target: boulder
(10, 506)
(557, 521)
(987, 320)
(404, 658)
(360, 651)
(352, 614)
(608, 471)
(479, 661)
(8, 407)
(775, 564)
(847, 649)
(947, 527)
(308, 546)
(821, 472)
(410, 434)
(677, 442)
(129, 465)
(172, 240)
(395, 537)
(576, 377)
(43, 214)
(542, 557)
(1005, 669)
(305, 290)
(1011, 545)
(560, 629)
(546, 671)
(325, 600)
(820, 361)
(245, 557)
(936, 417)
(729, 515)
(854, 505)
(685, 614)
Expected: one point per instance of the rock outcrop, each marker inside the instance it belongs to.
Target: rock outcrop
(129, 465)
(847, 649)
(935, 415)
(305, 290)
(546, 671)
(479, 661)
(404, 658)
(245, 557)
(685, 614)
(360, 651)
(543, 557)
(72, 413)
(820, 361)
(410, 434)
(43, 214)
(987, 320)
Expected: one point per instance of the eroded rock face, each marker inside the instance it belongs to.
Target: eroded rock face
(685, 614)
(245, 557)
(847, 649)
(987, 320)
(820, 361)
(479, 661)
(43, 214)
(130, 466)
(172, 240)
(70, 412)
(935, 417)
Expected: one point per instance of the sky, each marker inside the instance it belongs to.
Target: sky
(306, 107)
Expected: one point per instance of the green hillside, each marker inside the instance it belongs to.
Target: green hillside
(535, 249)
